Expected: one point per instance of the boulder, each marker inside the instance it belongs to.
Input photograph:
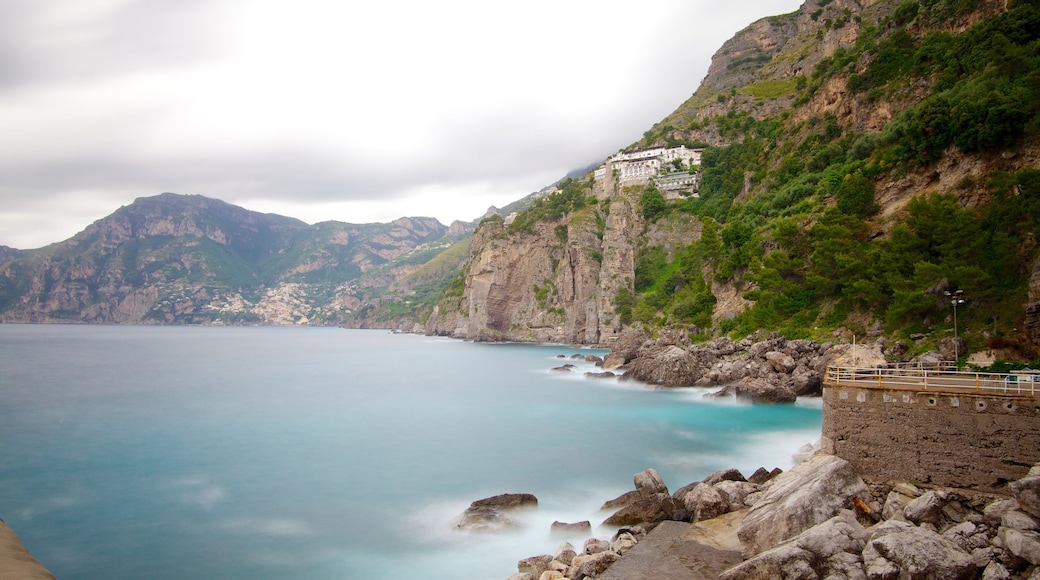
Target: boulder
(577, 528)
(646, 509)
(895, 506)
(534, 565)
(602, 375)
(704, 502)
(1025, 545)
(761, 476)
(594, 359)
(810, 493)
(759, 390)
(625, 499)
(508, 501)
(1027, 492)
(901, 550)
(724, 475)
(565, 553)
(781, 363)
(829, 550)
(484, 519)
(622, 543)
(485, 515)
(649, 482)
(735, 493)
(595, 546)
(594, 564)
(1017, 520)
(522, 577)
(926, 509)
(567, 368)
(994, 512)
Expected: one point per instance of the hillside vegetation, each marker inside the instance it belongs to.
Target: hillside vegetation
(868, 161)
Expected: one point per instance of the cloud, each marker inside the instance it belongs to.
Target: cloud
(354, 111)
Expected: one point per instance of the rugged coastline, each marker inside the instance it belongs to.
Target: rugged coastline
(820, 519)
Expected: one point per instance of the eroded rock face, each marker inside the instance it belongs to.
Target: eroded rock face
(902, 550)
(829, 550)
(810, 493)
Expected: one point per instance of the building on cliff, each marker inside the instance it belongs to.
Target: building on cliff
(671, 168)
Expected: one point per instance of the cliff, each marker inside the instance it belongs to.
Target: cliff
(834, 139)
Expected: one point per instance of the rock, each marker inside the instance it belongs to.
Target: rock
(724, 475)
(895, 506)
(522, 577)
(1017, 520)
(805, 452)
(829, 550)
(995, 571)
(594, 359)
(567, 368)
(534, 565)
(1027, 492)
(908, 489)
(901, 550)
(594, 564)
(762, 391)
(625, 499)
(649, 482)
(761, 476)
(623, 543)
(484, 519)
(595, 546)
(565, 553)
(927, 508)
(646, 509)
(602, 375)
(578, 528)
(781, 363)
(994, 512)
(485, 515)
(552, 575)
(1025, 545)
(810, 493)
(735, 493)
(508, 501)
(704, 502)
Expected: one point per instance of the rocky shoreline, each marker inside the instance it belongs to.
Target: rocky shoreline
(820, 519)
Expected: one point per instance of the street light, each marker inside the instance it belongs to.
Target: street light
(955, 299)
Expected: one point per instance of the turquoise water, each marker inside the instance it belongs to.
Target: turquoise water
(207, 452)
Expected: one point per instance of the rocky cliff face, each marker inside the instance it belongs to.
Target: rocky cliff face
(783, 86)
(176, 259)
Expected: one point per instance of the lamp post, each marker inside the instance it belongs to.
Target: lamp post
(955, 299)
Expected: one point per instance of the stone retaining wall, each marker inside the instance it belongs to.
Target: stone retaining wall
(962, 441)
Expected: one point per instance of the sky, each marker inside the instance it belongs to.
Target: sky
(331, 109)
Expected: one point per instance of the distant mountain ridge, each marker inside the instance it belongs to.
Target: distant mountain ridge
(189, 259)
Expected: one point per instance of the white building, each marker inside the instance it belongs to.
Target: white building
(641, 166)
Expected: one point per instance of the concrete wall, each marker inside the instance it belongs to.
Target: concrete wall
(963, 441)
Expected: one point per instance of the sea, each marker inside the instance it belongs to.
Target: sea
(324, 453)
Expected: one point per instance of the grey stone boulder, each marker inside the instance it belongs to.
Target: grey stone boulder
(484, 519)
(898, 550)
(625, 499)
(508, 501)
(595, 546)
(593, 565)
(724, 475)
(926, 509)
(486, 515)
(781, 362)
(565, 553)
(534, 565)
(646, 509)
(1027, 491)
(1017, 520)
(811, 493)
(993, 514)
(602, 375)
(829, 550)
(763, 391)
(1025, 545)
(736, 492)
(704, 502)
(571, 529)
(648, 482)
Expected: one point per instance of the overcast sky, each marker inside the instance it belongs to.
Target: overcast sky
(324, 109)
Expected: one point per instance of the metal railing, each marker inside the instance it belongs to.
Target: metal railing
(910, 378)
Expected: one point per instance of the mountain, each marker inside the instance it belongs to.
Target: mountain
(858, 160)
(176, 259)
